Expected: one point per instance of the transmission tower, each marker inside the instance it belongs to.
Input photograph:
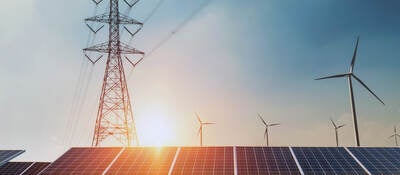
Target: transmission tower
(114, 117)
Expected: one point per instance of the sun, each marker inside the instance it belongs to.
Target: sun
(155, 129)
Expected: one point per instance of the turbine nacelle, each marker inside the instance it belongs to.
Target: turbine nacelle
(336, 126)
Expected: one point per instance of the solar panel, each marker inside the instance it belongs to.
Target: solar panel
(36, 168)
(13, 168)
(204, 160)
(378, 160)
(83, 161)
(265, 160)
(140, 160)
(7, 155)
(326, 160)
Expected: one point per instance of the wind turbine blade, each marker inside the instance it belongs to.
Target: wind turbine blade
(265, 123)
(333, 76)
(353, 60)
(274, 124)
(392, 136)
(333, 123)
(198, 117)
(362, 83)
(208, 123)
(340, 126)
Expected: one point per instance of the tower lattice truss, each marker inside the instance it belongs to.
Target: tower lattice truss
(114, 117)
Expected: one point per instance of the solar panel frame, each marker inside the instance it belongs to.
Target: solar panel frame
(326, 160)
(204, 160)
(144, 160)
(7, 155)
(265, 160)
(378, 160)
(83, 161)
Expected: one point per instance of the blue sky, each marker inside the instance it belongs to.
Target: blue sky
(234, 59)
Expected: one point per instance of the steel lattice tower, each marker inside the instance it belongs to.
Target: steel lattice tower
(114, 117)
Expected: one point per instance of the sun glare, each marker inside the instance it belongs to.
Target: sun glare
(156, 129)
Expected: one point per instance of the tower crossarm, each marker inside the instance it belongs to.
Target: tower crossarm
(104, 48)
(122, 19)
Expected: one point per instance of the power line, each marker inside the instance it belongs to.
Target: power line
(175, 31)
(78, 90)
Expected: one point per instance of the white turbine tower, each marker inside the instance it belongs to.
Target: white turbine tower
(336, 131)
(349, 77)
(267, 126)
(202, 124)
(395, 135)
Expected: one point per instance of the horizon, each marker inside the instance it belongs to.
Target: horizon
(224, 65)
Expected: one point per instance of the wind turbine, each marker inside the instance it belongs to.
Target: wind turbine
(336, 131)
(202, 124)
(349, 76)
(266, 133)
(395, 135)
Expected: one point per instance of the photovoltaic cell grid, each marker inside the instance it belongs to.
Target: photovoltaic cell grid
(265, 160)
(36, 168)
(326, 160)
(379, 160)
(83, 161)
(7, 155)
(13, 168)
(144, 161)
(204, 160)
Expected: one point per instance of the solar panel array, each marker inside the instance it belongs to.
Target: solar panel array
(204, 160)
(379, 160)
(83, 161)
(143, 161)
(227, 160)
(7, 155)
(12, 168)
(265, 160)
(36, 168)
(22, 168)
(327, 160)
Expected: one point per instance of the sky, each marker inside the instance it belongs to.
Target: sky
(232, 60)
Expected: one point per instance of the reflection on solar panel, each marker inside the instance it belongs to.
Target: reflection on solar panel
(36, 168)
(265, 160)
(12, 168)
(379, 160)
(142, 160)
(327, 160)
(7, 155)
(83, 161)
(204, 160)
